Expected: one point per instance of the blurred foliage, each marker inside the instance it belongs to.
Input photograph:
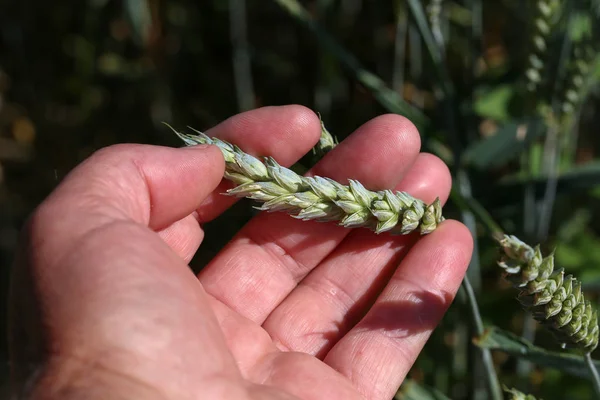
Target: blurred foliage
(79, 75)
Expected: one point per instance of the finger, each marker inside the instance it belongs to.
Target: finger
(286, 132)
(335, 295)
(150, 185)
(184, 236)
(379, 351)
(273, 252)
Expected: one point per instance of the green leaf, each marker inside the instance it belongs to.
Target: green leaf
(580, 179)
(581, 26)
(518, 395)
(497, 339)
(569, 257)
(505, 145)
(494, 103)
(584, 176)
(411, 390)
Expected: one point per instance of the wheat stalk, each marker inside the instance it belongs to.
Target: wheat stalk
(434, 14)
(555, 300)
(318, 198)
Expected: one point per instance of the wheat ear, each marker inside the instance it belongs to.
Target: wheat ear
(320, 199)
(555, 300)
(517, 395)
(545, 15)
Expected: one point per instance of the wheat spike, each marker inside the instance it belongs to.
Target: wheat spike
(544, 21)
(318, 198)
(555, 300)
(517, 395)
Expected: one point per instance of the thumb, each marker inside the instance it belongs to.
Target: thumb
(152, 185)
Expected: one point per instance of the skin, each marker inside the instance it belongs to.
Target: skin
(104, 305)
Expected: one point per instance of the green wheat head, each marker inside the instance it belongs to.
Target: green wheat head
(318, 198)
(544, 19)
(517, 395)
(555, 300)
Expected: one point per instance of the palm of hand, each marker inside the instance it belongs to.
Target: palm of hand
(288, 309)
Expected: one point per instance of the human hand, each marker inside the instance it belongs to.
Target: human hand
(104, 305)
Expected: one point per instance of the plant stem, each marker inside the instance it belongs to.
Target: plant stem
(486, 356)
(435, 53)
(479, 388)
(471, 121)
(241, 55)
(493, 228)
(593, 373)
(399, 47)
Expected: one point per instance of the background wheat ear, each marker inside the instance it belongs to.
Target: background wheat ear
(555, 300)
(514, 394)
(544, 19)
